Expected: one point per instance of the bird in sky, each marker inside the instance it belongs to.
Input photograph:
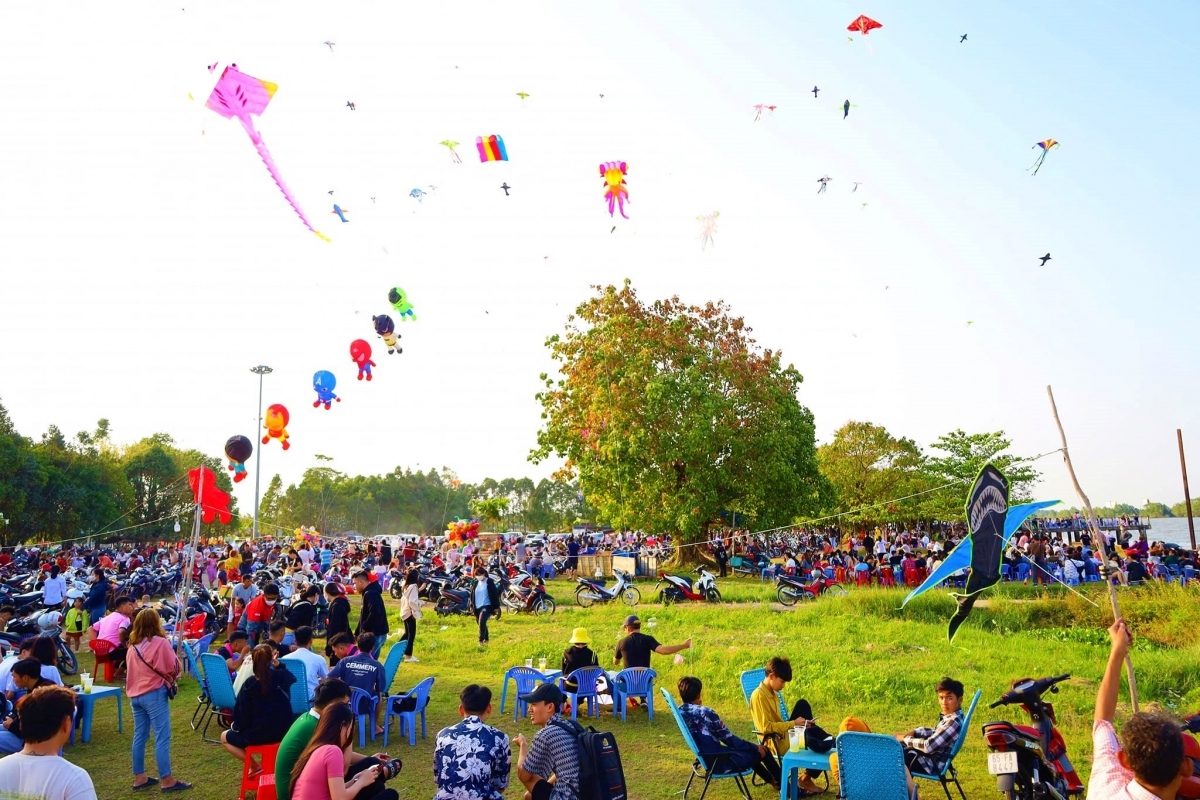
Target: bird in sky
(1044, 258)
(331, 192)
(505, 187)
(963, 39)
(815, 90)
(846, 109)
(350, 105)
(331, 44)
(341, 212)
(856, 184)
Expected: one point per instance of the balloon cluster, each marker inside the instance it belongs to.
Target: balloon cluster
(462, 530)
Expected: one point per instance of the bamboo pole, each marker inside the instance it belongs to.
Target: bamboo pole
(1187, 496)
(1099, 539)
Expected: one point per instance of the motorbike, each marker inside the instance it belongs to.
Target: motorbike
(526, 594)
(453, 601)
(1030, 761)
(793, 590)
(751, 567)
(680, 588)
(42, 623)
(1190, 789)
(593, 590)
(396, 583)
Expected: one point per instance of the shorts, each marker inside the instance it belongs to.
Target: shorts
(541, 790)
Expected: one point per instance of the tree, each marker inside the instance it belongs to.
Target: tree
(1180, 508)
(867, 466)
(670, 414)
(156, 470)
(1155, 510)
(965, 455)
(491, 510)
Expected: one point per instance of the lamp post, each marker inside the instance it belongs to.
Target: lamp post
(260, 370)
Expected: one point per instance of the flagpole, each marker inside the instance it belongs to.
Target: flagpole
(1098, 538)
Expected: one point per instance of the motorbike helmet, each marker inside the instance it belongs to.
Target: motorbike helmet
(49, 620)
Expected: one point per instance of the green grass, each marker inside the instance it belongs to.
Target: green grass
(857, 655)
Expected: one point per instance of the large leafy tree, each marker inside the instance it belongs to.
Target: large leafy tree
(669, 414)
(962, 456)
(156, 471)
(867, 466)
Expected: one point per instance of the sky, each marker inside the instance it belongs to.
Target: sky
(149, 260)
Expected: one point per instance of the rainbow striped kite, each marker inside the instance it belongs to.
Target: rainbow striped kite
(491, 148)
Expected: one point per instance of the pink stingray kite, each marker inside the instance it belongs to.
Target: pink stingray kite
(615, 192)
(239, 95)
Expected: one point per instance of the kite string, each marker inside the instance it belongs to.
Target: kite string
(1054, 577)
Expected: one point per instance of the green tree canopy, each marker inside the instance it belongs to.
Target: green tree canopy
(964, 455)
(868, 466)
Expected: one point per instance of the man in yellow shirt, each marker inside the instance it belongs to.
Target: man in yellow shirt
(764, 709)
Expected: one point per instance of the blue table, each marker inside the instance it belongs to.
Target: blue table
(87, 706)
(795, 760)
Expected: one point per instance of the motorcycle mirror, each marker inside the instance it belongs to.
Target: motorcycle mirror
(1054, 689)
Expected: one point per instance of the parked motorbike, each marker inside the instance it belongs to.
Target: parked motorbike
(1190, 788)
(525, 593)
(750, 567)
(793, 590)
(42, 623)
(593, 590)
(453, 601)
(1030, 761)
(396, 583)
(679, 588)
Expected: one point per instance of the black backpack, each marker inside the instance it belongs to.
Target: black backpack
(601, 776)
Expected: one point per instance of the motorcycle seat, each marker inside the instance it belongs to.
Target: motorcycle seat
(27, 597)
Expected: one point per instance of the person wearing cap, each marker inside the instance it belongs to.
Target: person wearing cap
(577, 656)
(636, 647)
(549, 767)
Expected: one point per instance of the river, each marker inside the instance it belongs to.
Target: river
(1171, 529)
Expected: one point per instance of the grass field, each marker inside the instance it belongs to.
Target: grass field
(857, 655)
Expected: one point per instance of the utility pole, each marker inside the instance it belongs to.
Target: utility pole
(1187, 497)
(260, 370)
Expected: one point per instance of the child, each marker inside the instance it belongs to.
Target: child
(76, 623)
(235, 616)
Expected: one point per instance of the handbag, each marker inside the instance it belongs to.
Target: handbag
(172, 686)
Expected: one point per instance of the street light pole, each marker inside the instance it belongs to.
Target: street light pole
(260, 370)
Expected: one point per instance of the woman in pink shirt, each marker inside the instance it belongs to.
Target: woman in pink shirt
(151, 665)
(320, 771)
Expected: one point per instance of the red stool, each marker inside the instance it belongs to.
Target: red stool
(886, 576)
(102, 648)
(862, 577)
(263, 783)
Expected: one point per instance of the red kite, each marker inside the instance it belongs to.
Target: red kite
(863, 25)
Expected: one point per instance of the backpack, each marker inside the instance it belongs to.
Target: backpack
(601, 776)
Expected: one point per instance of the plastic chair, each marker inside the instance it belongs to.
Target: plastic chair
(194, 627)
(547, 571)
(1005, 572)
(359, 698)
(527, 679)
(103, 648)
(585, 679)
(768, 572)
(910, 578)
(751, 680)
(862, 577)
(871, 767)
(1023, 571)
(949, 773)
(298, 691)
(633, 682)
(392, 665)
(263, 783)
(220, 689)
(706, 766)
(203, 704)
(419, 693)
(887, 577)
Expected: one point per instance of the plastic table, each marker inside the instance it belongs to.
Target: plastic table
(795, 760)
(87, 706)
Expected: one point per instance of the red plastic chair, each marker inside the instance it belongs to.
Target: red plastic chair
(862, 577)
(263, 783)
(194, 627)
(910, 578)
(839, 574)
(887, 577)
(102, 648)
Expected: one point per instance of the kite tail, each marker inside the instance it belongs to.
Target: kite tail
(1038, 164)
(265, 155)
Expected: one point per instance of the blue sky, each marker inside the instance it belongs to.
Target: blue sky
(150, 261)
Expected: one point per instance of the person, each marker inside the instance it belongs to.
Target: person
(721, 555)
(572, 556)
(343, 647)
(43, 650)
(1148, 760)
(1037, 555)
(577, 656)
(315, 668)
(24, 649)
(764, 710)
(636, 647)
(927, 750)
(549, 767)
(257, 616)
(485, 601)
(339, 618)
(26, 676)
(410, 611)
(109, 628)
(713, 737)
(262, 712)
(236, 648)
(471, 758)
(75, 623)
(151, 667)
(37, 770)
(275, 633)
(374, 616)
(304, 612)
(54, 589)
(363, 671)
(320, 771)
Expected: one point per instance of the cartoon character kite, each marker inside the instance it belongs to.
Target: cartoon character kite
(323, 384)
(1046, 146)
(386, 329)
(238, 450)
(331, 44)
(991, 522)
(399, 300)
(615, 192)
(491, 148)
(350, 106)
(845, 109)
(863, 25)
(505, 187)
(709, 221)
(963, 39)
(417, 194)
(824, 181)
(522, 95)
(1044, 258)
(341, 212)
(761, 107)
(360, 353)
(213, 502)
(276, 424)
(450, 144)
(239, 96)
(815, 91)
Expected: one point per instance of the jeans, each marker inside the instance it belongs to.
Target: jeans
(481, 615)
(10, 742)
(253, 629)
(152, 710)
(410, 635)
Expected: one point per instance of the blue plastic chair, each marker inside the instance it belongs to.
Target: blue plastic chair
(392, 665)
(706, 766)
(871, 767)
(585, 679)
(633, 682)
(949, 774)
(1005, 572)
(298, 691)
(408, 719)
(527, 679)
(358, 699)
(220, 689)
(830, 573)
(547, 571)
(203, 704)
(751, 680)
(1022, 571)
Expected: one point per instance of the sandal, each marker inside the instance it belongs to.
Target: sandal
(149, 782)
(177, 786)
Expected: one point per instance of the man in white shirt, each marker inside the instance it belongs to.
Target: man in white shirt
(306, 557)
(38, 770)
(315, 666)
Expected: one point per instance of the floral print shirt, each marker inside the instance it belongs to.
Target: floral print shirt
(471, 761)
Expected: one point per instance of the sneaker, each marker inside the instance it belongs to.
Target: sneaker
(412, 659)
